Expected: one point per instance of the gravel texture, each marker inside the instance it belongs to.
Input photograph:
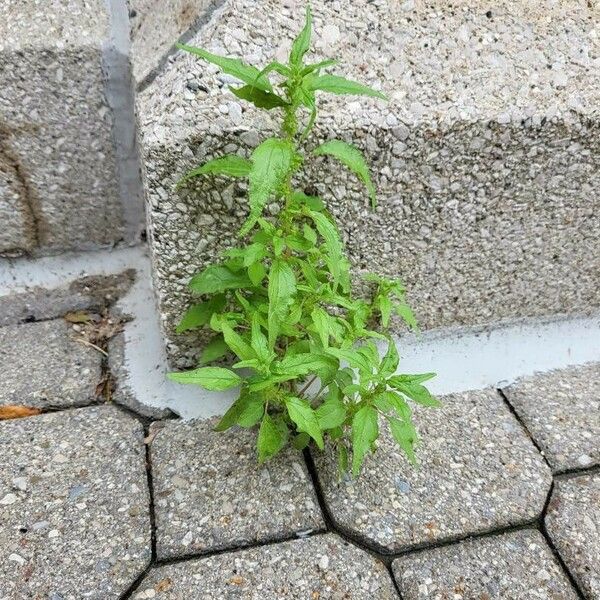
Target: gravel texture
(93, 292)
(42, 365)
(210, 493)
(561, 410)
(56, 127)
(573, 522)
(73, 505)
(156, 25)
(517, 565)
(122, 392)
(486, 156)
(478, 472)
(321, 567)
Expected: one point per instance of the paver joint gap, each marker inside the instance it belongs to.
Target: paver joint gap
(553, 549)
(515, 414)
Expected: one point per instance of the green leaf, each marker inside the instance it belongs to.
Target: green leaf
(301, 44)
(416, 378)
(318, 66)
(253, 253)
(271, 163)
(364, 432)
(281, 289)
(260, 344)
(236, 342)
(352, 158)
(406, 437)
(271, 438)
(303, 364)
(301, 441)
(390, 361)
(211, 378)
(258, 97)
(321, 320)
(415, 391)
(199, 314)
(232, 66)
(340, 85)
(215, 349)
(305, 419)
(353, 358)
(385, 308)
(218, 278)
(231, 166)
(331, 414)
(246, 411)
(256, 273)
(386, 401)
(333, 244)
(405, 312)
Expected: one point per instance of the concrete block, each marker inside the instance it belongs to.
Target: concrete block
(155, 27)
(56, 127)
(487, 156)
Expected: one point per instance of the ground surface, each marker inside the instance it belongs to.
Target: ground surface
(104, 500)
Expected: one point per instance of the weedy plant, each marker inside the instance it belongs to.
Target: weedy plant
(307, 363)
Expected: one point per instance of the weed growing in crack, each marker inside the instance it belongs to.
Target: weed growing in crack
(307, 363)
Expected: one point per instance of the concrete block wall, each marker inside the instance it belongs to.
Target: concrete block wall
(487, 157)
(69, 172)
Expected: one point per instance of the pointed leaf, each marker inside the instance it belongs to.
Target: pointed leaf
(352, 158)
(271, 162)
(282, 287)
(321, 319)
(211, 378)
(236, 342)
(218, 278)
(258, 97)
(364, 432)
(333, 244)
(260, 344)
(246, 411)
(406, 437)
(231, 165)
(231, 66)
(305, 419)
(199, 314)
(216, 348)
(331, 414)
(340, 85)
(301, 44)
(271, 438)
(415, 391)
(390, 361)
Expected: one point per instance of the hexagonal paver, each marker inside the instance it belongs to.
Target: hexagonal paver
(517, 565)
(573, 523)
(74, 505)
(478, 471)
(319, 567)
(42, 366)
(561, 409)
(210, 493)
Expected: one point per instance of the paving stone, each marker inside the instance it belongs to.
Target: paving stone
(322, 567)
(210, 493)
(517, 565)
(74, 505)
(156, 25)
(122, 392)
(41, 365)
(561, 410)
(486, 157)
(56, 126)
(573, 523)
(478, 472)
(93, 292)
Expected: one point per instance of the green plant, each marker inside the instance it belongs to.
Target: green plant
(282, 303)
